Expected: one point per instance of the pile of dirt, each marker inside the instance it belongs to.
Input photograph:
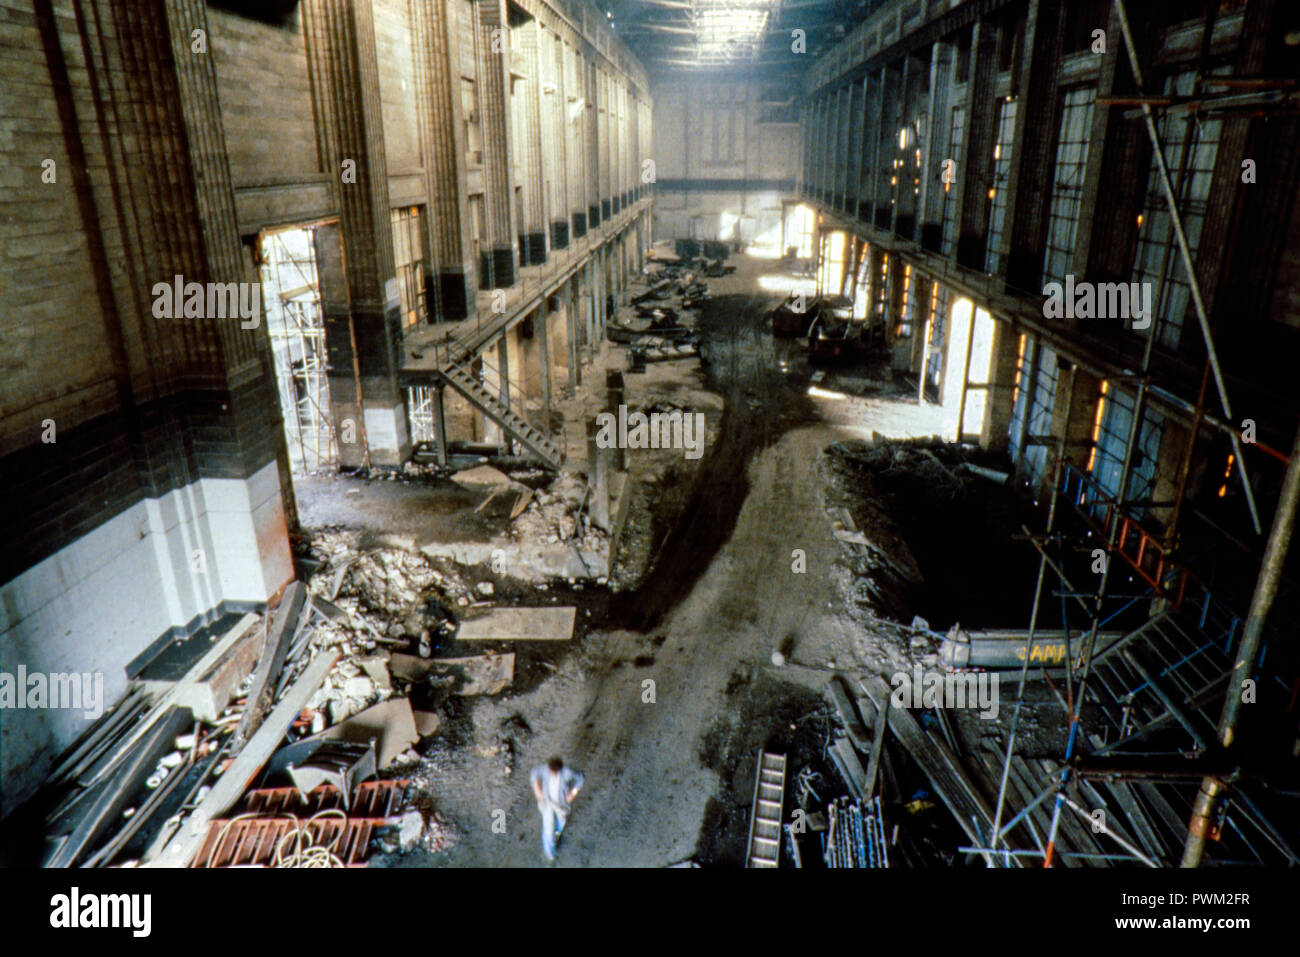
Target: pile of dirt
(941, 520)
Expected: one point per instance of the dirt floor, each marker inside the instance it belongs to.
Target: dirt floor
(669, 691)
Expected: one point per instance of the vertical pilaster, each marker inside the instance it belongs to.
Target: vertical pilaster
(491, 48)
(442, 141)
(975, 169)
(345, 93)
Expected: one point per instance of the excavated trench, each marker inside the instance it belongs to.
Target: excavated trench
(762, 403)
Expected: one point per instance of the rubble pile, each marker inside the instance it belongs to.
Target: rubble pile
(556, 515)
(271, 722)
(387, 595)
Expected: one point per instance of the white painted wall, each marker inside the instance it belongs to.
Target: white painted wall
(104, 599)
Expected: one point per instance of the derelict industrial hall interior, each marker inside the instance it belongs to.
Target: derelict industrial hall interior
(704, 433)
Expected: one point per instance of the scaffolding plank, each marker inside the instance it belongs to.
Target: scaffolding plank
(520, 624)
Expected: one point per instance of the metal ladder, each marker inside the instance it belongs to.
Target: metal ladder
(765, 817)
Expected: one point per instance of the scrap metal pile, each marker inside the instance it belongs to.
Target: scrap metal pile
(658, 333)
(854, 839)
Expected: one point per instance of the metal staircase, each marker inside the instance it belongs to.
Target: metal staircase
(479, 396)
(1161, 675)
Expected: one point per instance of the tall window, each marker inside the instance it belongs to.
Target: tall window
(1115, 423)
(469, 116)
(1036, 380)
(998, 191)
(956, 143)
(408, 256)
(1067, 181)
(1193, 142)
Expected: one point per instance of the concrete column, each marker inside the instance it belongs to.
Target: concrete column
(1001, 391)
(1035, 139)
(935, 147)
(853, 173)
(575, 112)
(975, 168)
(867, 179)
(591, 134)
(491, 49)
(615, 397)
(344, 80)
(541, 324)
(598, 480)
(503, 366)
(604, 115)
(574, 294)
(440, 423)
(439, 111)
(532, 250)
(886, 147)
(551, 107)
(911, 105)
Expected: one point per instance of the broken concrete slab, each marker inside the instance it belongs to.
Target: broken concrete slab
(486, 479)
(479, 674)
(534, 563)
(391, 723)
(482, 674)
(520, 624)
(209, 694)
(376, 669)
(427, 722)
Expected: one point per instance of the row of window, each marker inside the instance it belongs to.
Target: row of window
(1190, 151)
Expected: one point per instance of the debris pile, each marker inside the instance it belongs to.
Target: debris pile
(320, 706)
(930, 528)
(557, 514)
(371, 597)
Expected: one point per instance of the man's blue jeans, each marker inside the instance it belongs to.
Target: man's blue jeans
(552, 827)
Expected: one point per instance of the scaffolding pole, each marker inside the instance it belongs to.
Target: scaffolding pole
(1033, 615)
(1270, 574)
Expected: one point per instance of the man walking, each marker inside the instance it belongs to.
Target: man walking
(555, 786)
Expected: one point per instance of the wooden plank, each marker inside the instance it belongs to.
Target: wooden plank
(945, 773)
(877, 746)
(114, 794)
(239, 775)
(850, 766)
(520, 624)
(838, 690)
(1072, 834)
(1019, 794)
(278, 639)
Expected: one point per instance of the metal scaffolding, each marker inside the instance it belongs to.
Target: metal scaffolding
(1142, 712)
(295, 323)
